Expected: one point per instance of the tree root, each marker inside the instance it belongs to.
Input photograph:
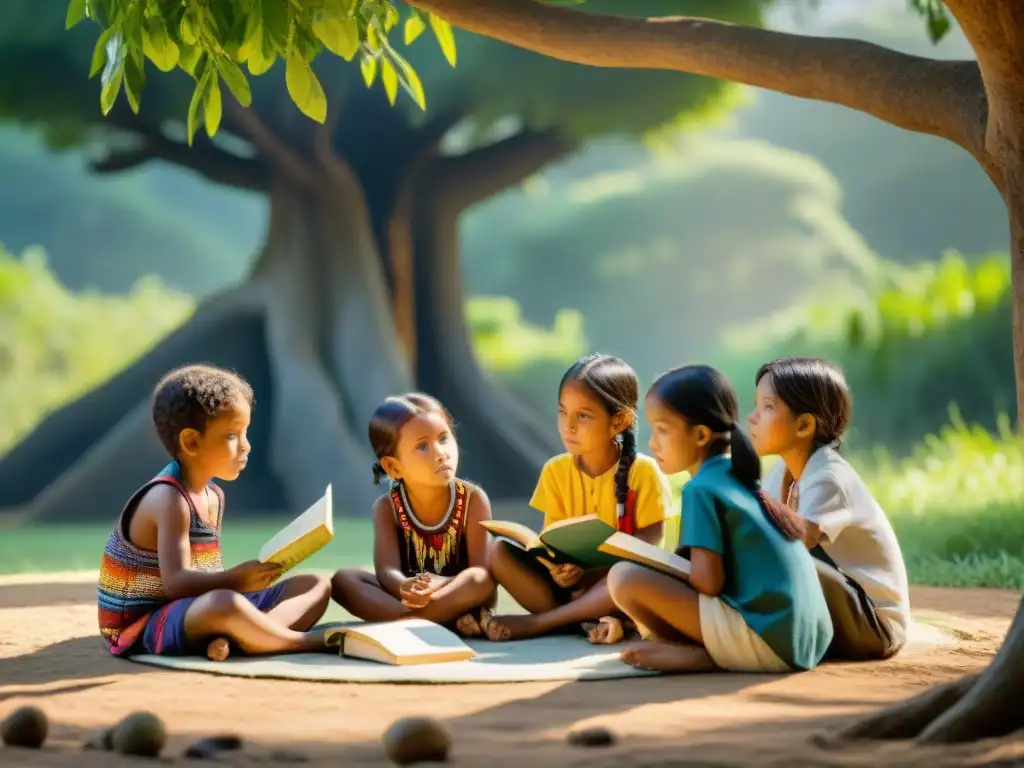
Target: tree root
(63, 437)
(904, 720)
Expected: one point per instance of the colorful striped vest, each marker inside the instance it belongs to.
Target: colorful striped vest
(130, 587)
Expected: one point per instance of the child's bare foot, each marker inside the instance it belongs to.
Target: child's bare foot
(607, 631)
(661, 656)
(218, 649)
(512, 627)
(468, 626)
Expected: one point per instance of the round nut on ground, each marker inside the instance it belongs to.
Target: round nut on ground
(141, 734)
(592, 737)
(416, 740)
(25, 727)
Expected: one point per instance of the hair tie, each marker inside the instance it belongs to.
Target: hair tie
(379, 473)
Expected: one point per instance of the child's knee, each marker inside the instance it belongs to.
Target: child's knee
(344, 583)
(221, 603)
(480, 579)
(622, 577)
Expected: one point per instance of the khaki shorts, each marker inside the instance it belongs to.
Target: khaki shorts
(733, 645)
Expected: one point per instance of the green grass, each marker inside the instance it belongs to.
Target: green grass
(42, 548)
(955, 504)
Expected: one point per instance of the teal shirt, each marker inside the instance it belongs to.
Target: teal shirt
(769, 579)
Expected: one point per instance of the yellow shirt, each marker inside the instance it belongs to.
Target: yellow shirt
(564, 491)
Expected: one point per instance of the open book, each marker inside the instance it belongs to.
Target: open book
(575, 540)
(400, 643)
(303, 536)
(589, 542)
(622, 546)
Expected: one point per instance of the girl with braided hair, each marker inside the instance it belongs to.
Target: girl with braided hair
(600, 474)
(752, 601)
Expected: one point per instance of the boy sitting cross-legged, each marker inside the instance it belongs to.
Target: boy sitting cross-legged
(162, 587)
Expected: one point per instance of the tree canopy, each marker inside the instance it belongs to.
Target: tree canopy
(213, 42)
(208, 49)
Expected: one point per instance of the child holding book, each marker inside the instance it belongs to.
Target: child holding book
(429, 551)
(752, 602)
(600, 474)
(162, 585)
(801, 411)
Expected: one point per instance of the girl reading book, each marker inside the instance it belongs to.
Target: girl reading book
(601, 474)
(802, 408)
(429, 551)
(752, 602)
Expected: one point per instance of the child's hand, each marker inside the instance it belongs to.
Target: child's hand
(253, 575)
(564, 575)
(415, 591)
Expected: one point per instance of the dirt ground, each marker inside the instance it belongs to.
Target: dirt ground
(50, 655)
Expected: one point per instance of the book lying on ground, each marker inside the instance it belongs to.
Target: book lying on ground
(589, 542)
(400, 643)
(303, 536)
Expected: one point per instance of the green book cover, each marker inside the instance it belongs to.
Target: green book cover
(578, 540)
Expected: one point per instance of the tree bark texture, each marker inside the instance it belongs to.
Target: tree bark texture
(313, 329)
(310, 329)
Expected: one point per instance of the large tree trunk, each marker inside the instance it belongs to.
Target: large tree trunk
(504, 444)
(311, 330)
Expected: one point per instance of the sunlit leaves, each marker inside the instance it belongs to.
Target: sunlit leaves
(235, 80)
(212, 41)
(935, 15)
(304, 87)
(445, 37)
(76, 12)
(339, 36)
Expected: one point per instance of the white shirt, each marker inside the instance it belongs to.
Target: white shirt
(855, 532)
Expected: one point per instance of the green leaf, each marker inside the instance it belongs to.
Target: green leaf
(372, 38)
(76, 12)
(99, 53)
(134, 79)
(368, 66)
(414, 26)
(110, 90)
(391, 17)
(159, 47)
(305, 88)
(253, 37)
(193, 106)
(189, 57)
(445, 37)
(389, 77)
(410, 81)
(189, 28)
(212, 106)
(262, 56)
(341, 37)
(274, 14)
(235, 80)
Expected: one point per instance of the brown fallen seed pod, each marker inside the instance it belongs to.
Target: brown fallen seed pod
(416, 740)
(592, 737)
(141, 734)
(25, 727)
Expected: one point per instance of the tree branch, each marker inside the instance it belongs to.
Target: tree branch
(270, 146)
(463, 180)
(941, 98)
(203, 157)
